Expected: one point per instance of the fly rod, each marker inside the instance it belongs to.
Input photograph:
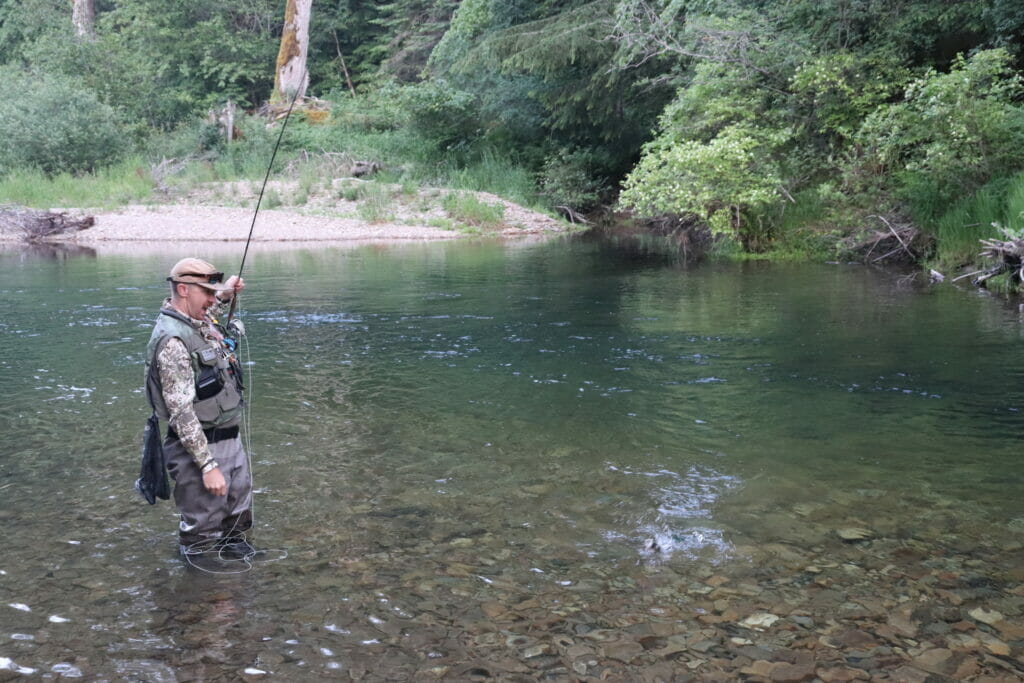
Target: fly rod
(259, 200)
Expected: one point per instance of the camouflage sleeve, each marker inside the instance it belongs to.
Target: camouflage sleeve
(179, 391)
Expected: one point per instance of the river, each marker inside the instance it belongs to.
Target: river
(560, 460)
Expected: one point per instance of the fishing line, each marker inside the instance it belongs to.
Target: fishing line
(259, 200)
(210, 548)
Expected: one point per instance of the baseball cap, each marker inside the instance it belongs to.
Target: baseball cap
(196, 271)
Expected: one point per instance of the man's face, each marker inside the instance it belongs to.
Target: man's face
(195, 300)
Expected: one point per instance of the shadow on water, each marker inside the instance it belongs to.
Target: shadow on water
(50, 251)
(667, 240)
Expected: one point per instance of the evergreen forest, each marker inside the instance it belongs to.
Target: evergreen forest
(777, 127)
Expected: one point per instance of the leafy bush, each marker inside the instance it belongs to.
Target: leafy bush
(50, 123)
(724, 180)
(953, 131)
(440, 112)
(835, 92)
(567, 179)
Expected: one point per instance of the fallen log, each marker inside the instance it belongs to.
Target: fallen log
(35, 225)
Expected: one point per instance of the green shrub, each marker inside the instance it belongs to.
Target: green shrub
(728, 180)
(440, 113)
(567, 179)
(271, 199)
(50, 123)
(953, 132)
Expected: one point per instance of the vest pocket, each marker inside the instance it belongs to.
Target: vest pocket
(209, 383)
(208, 411)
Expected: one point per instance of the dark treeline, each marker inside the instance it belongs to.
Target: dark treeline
(776, 124)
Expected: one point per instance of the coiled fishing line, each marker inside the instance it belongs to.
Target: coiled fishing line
(210, 549)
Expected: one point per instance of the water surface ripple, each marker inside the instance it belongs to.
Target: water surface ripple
(516, 462)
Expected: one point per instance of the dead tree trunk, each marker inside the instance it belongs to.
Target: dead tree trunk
(291, 77)
(83, 17)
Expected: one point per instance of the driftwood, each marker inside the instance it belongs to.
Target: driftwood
(897, 242)
(35, 226)
(166, 168)
(314, 110)
(572, 215)
(1009, 257)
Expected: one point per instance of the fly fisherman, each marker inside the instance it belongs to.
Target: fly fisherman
(195, 385)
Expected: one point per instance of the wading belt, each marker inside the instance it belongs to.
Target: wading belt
(212, 435)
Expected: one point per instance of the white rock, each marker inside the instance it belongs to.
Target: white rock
(10, 665)
(253, 671)
(67, 670)
(990, 618)
(854, 533)
(759, 621)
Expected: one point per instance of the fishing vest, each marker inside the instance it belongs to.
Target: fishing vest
(218, 401)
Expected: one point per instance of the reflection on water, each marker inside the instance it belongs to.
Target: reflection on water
(517, 462)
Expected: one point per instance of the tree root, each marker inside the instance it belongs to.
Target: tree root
(1009, 257)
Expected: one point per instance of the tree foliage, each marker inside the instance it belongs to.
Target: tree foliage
(725, 179)
(723, 108)
(958, 129)
(778, 98)
(52, 124)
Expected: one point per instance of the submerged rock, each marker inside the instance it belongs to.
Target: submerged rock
(759, 621)
(853, 534)
(986, 617)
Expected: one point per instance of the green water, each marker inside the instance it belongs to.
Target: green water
(445, 435)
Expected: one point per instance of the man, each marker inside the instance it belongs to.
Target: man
(195, 384)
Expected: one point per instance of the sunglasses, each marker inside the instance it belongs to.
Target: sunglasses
(211, 278)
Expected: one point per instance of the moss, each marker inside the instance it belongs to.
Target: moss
(290, 48)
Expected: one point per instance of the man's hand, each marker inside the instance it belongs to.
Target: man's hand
(236, 284)
(214, 482)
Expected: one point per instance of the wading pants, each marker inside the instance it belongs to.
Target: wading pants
(204, 516)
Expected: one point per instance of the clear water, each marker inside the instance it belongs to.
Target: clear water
(471, 450)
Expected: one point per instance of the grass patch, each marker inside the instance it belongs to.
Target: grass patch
(443, 223)
(492, 173)
(123, 183)
(271, 199)
(466, 208)
(374, 203)
(958, 230)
